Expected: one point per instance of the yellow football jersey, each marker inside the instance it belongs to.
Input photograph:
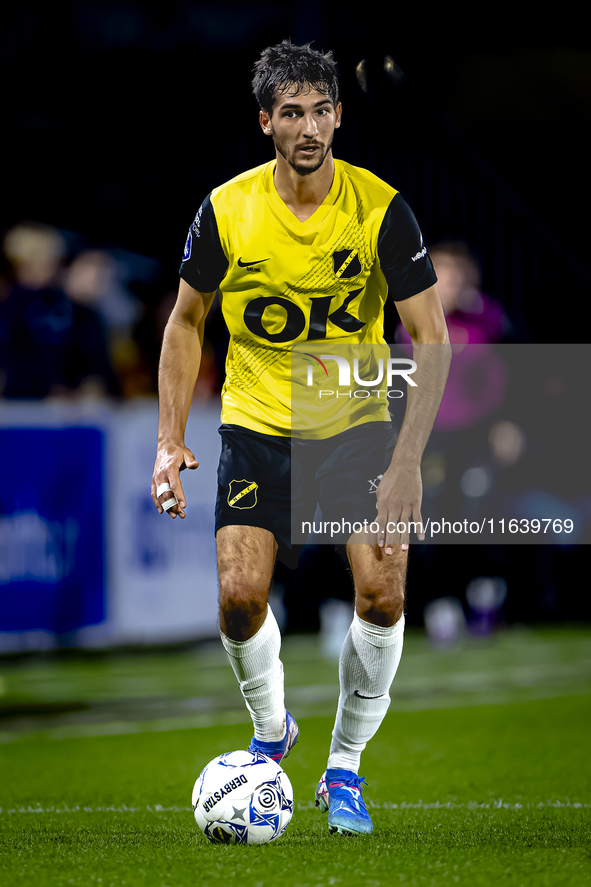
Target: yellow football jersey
(291, 291)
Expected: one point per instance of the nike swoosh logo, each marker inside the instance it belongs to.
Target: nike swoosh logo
(242, 264)
(359, 696)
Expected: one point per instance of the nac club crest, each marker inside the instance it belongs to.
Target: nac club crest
(346, 263)
(242, 494)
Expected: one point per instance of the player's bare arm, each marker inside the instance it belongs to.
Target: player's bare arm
(180, 360)
(400, 491)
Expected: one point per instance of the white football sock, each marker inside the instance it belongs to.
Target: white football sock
(259, 671)
(367, 665)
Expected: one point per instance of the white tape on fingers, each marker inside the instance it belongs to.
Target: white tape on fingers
(170, 503)
(163, 488)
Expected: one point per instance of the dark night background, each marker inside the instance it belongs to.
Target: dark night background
(119, 119)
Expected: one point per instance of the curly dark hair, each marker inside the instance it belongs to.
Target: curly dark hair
(285, 67)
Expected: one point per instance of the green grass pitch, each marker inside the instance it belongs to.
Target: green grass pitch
(480, 774)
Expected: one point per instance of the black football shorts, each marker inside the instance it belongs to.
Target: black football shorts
(293, 487)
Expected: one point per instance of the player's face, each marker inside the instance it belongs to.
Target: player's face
(302, 126)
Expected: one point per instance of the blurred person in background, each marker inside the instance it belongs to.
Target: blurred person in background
(476, 389)
(477, 377)
(51, 345)
(473, 317)
(93, 281)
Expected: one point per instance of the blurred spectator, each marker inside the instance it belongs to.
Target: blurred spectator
(50, 345)
(477, 378)
(93, 279)
(456, 466)
(472, 316)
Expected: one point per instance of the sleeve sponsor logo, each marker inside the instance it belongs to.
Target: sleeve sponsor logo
(196, 226)
(421, 253)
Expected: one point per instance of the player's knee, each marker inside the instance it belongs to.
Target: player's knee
(380, 596)
(380, 582)
(381, 605)
(243, 605)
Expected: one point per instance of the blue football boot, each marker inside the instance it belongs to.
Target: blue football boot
(280, 749)
(339, 792)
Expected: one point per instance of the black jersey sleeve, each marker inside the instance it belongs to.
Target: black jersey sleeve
(204, 262)
(402, 254)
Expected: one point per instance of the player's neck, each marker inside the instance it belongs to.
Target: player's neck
(303, 194)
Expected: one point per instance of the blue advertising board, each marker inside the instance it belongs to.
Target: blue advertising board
(52, 529)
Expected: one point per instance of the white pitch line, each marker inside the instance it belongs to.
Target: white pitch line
(463, 805)
(498, 804)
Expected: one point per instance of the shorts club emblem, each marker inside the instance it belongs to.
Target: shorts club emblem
(242, 494)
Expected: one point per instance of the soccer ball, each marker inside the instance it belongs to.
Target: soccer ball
(242, 797)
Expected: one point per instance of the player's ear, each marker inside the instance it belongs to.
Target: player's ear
(339, 111)
(265, 121)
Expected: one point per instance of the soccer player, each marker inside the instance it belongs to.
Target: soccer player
(304, 250)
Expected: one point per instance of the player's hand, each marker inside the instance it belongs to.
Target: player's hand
(399, 496)
(171, 459)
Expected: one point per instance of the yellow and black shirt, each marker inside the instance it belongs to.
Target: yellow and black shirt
(288, 285)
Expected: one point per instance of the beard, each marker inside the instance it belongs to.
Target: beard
(299, 168)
